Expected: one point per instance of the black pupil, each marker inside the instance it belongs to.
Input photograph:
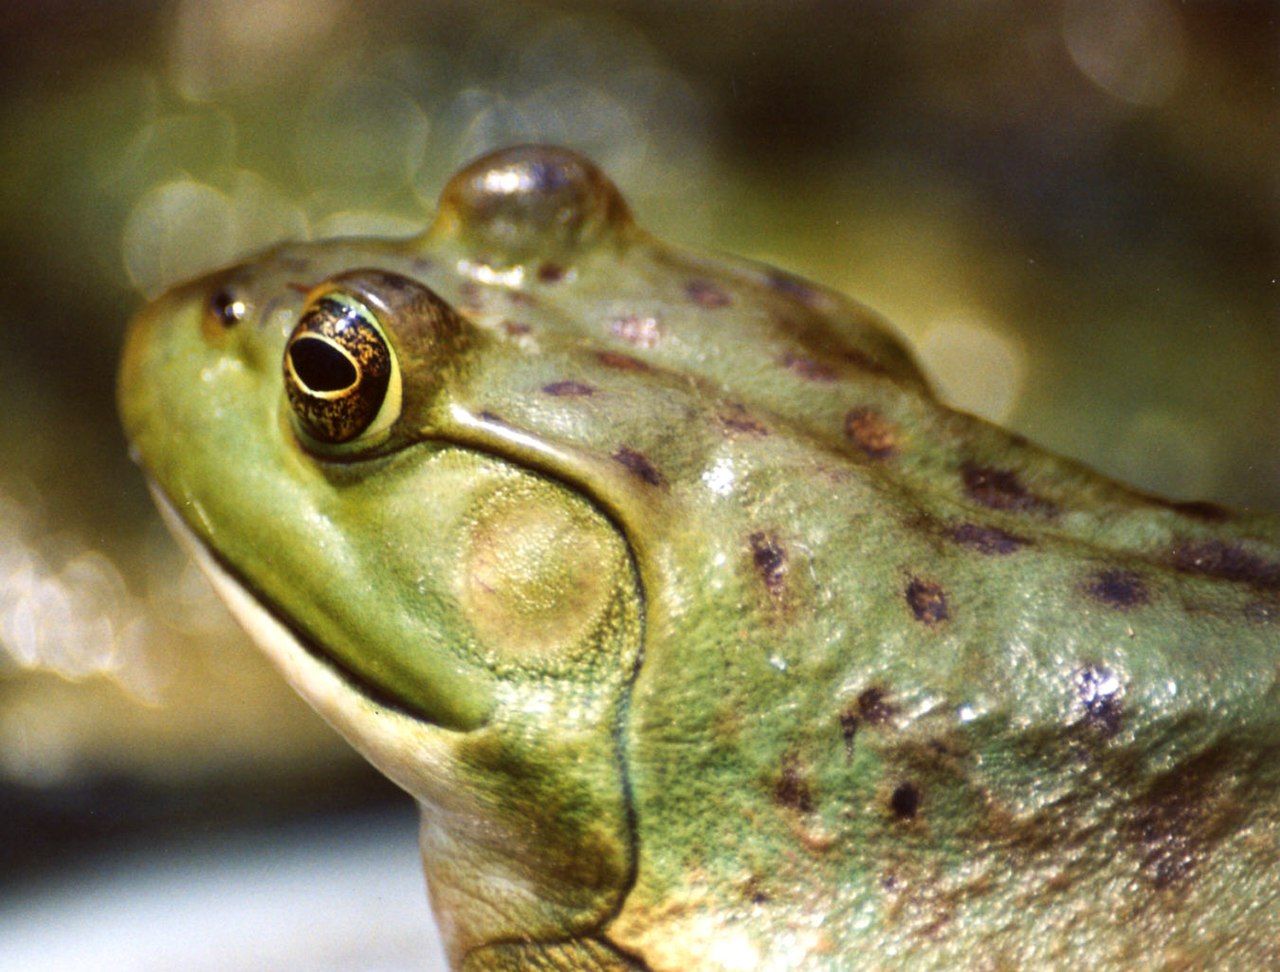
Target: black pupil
(320, 366)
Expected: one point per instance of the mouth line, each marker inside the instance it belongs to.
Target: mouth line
(230, 584)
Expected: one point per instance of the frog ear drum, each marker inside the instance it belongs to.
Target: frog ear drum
(340, 373)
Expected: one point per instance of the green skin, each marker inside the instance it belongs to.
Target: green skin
(704, 636)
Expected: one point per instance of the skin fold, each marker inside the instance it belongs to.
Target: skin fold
(704, 636)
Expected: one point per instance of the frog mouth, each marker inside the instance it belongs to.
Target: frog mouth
(309, 669)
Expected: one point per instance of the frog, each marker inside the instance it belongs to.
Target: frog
(703, 635)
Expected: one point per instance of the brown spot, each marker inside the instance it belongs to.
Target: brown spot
(785, 283)
(522, 298)
(770, 559)
(298, 287)
(874, 707)
(905, 801)
(516, 328)
(1099, 692)
(1227, 561)
(643, 332)
(928, 601)
(706, 294)
(871, 432)
(792, 787)
(737, 419)
(1183, 815)
(294, 264)
(988, 540)
(639, 466)
(621, 362)
(871, 707)
(568, 389)
(494, 418)
(807, 368)
(551, 273)
(1001, 489)
(1121, 589)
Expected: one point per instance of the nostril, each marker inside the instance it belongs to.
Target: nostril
(321, 366)
(228, 309)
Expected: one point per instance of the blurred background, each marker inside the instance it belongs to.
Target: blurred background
(1072, 209)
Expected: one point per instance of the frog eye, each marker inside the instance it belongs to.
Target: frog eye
(340, 374)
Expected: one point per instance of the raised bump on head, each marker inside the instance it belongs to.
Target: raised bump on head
(530, 202)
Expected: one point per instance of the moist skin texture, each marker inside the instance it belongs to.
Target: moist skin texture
(703, 634)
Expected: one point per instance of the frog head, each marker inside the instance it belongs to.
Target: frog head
(469, 623)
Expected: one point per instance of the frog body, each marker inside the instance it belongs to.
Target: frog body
(703, 634)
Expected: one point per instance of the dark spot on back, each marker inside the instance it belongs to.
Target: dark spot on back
(988, 540)
(770, 559)
(1227, 561)
(621, 362)
(642, 331)
(871, 707)
(737, 419)
(1099, 692)
(785, 283)
(639, 466)
(494, 417)
(1121, 589)
(808, 369)
(871, 432)
(928, 601)
(706, 294)
(516, 328)
(792, 788)
(905, 801)
(1183, 815)
(1001, 489)
(299, 287)
(551, 273)
(568, 389)
(874, 707)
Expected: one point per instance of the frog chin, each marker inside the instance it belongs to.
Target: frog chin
(413, 753)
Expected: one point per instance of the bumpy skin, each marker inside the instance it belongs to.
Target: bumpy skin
(704, 635)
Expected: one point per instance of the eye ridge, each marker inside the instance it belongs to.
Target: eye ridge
(337, 369)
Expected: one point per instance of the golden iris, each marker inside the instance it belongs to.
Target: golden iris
(339, 371)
